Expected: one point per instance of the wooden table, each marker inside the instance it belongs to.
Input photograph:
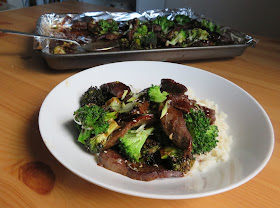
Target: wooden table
(25, 80)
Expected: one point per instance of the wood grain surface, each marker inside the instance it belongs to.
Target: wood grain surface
(26, 164)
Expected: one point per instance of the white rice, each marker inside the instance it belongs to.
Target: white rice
(221, 152)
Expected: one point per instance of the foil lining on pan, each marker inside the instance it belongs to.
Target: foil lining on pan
(47, 23)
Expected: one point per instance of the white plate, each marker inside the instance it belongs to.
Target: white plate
(250, 127)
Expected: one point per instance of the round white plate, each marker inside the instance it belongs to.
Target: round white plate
(250, 127)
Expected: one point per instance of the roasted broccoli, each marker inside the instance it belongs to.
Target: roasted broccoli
(210, 25)
(197, 34)
(150, 40)
(59, 50)
(132, 142)
(175, 159)
(182, 19)
(143, 39)
(136, 44)
(93, 95)
(107, 26)
(141, 31)
(155, 95)
(203, 134)
(95, 144)
(124, 43)
(179, 37)
(91, 118)
(150, 152)
(165, 23)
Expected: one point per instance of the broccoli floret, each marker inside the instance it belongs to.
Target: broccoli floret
(210, 25)
(182, 19)
(93, 121)
(179, 37)
(93, 95)
(197, 34)
(141, 31)
(150, 152)
(92, 117)
(95, 144)
(136, 44)
(203, 134)
(132, 142)
(107, 26)
(165, 23)
(150, 40)
(59, 50)
(156, 95)
(124, 43)
(175, 159)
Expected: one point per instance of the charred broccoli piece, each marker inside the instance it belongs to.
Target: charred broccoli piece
(136, 44)
(124, 43)
(95, 144)
(107, 26)
(155, 95)
(93, 95)
(59, 50)
(175, 159)
(150, 152)
(197, 34)
(182, 19)
(210, 25)
(132, 142)
(150, 40)
(179, 37)
(139, 37)
(141, 31)
(204, 135)
(164, 22)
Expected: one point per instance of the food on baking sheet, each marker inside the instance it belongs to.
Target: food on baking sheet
(159, 132)
(134, 34)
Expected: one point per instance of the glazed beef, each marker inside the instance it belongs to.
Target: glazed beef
(174, 126)
(114, 138)
(180, 101)
(112, 160)
(169, 85)
(115, 88)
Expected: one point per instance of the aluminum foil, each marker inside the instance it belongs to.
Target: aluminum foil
(47, 24)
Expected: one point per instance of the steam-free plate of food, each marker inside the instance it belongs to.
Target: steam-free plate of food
(249, 127)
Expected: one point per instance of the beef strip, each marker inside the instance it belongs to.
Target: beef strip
(115, 88)
(174, 126)
(113, 161)
(113, 139)
(210, 113)
(169, 85)
(180, 101)
(135, 23)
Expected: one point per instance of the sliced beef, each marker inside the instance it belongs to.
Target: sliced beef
(125, 128)
(141, 108)
(134, 23)
(115, 88)
(174, 126)
(169, 85)
(210, 113)
(77, 26)
(180, 101)
(113, 161)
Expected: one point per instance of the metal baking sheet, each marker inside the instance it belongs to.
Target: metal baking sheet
(85, 60)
